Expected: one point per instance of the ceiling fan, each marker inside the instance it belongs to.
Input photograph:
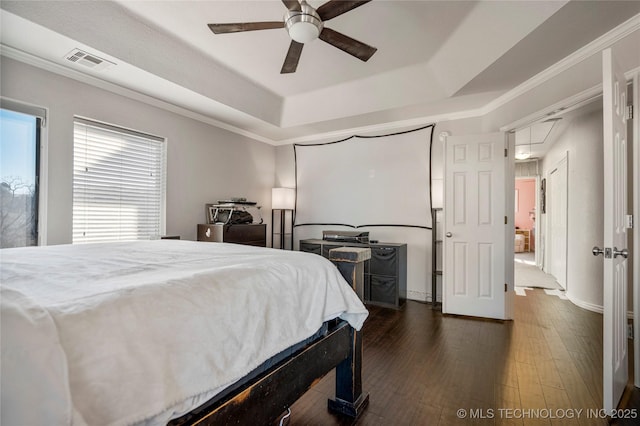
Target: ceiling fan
(305, 24)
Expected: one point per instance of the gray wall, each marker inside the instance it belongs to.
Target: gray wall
(204, 163)
(581, 138)
(418, 241)
(586, 278)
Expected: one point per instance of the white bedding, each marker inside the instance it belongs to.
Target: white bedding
(138, 332)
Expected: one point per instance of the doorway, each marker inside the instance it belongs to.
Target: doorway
(571, 177)
(528, 272)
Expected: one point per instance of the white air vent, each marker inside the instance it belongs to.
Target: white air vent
(81, 57)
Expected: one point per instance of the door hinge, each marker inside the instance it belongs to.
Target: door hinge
(630, 331)
(629, 221)
(506, 152)
(505, 220)
(629, 112)
(505, 287)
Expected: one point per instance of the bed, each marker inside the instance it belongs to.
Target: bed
(144, 332)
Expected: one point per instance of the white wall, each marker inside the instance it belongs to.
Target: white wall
(418, 240)
(581, 138)
(204, 163)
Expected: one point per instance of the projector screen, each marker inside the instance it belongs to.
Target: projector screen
(365, 181)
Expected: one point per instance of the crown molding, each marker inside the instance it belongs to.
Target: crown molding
(47, 65)
(604, 41)
(563, 106)
(596, 46)
(384, 127)
(53, 67)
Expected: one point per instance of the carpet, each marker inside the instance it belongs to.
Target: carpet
(530, 276)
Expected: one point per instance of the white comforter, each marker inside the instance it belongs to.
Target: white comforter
(124, 333)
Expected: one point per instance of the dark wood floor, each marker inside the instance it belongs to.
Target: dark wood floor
(421, 367)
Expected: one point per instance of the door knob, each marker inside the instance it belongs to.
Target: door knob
(449, 235)
(624, 252)
(597, 251)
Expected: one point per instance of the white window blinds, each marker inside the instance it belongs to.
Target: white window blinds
(118, 183)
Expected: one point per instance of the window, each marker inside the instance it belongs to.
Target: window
(20, 170)
(118, 183)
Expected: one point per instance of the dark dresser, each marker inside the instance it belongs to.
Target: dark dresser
(252, 234)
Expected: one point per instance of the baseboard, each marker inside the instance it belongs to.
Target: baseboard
(592, 307)
(419, 296)
(585, 305)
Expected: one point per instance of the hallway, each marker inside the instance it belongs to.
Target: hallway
(527, 276)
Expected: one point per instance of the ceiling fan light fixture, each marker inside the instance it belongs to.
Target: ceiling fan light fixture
(303, 31)
(304, 26)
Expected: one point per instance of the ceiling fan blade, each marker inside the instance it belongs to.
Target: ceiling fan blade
(292, 5)
(347, 44)
(244, 26)
(334, 8)
(293, 56)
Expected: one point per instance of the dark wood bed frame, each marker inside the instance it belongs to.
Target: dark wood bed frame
(264, 399)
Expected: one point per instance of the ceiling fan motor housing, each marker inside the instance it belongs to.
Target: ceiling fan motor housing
(303, 26)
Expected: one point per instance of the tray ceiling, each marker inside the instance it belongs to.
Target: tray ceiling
(433, 57)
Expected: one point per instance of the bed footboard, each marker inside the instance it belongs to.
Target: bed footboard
(350, 399)
(265, 399)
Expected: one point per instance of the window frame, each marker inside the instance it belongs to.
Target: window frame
(42, 158)
(135, 133)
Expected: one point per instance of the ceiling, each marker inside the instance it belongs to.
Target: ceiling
(434, 57)
(532, 142)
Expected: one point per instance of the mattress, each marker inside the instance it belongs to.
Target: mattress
(247, 379)
(141, 332)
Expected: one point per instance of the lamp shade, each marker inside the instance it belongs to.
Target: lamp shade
(437, 193)
(283, 198)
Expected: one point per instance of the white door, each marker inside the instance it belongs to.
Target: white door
(615, 373)
(557, 210)
(636, 234)
(475, 210)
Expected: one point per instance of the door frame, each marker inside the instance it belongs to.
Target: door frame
(635, 182)
(564, 161)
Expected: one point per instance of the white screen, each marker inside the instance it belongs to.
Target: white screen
(365, 181)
